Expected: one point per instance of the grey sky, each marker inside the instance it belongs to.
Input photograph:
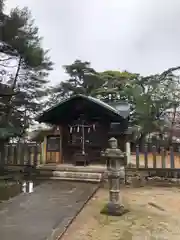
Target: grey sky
(135, 35)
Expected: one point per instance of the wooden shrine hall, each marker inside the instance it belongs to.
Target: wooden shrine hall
(84, 126)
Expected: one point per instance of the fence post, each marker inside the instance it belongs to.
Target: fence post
(137, 156)
(146, 156)
(2, 156)
(163, 163)
(22, 153)
(1, 165)
(172, 164)
(11, 154)
(19, 154)
(28, 163)
(154, 156)
(2, 160)
(6, 154)
(15, 155)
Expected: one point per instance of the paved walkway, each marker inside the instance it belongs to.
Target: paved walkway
(45, 213)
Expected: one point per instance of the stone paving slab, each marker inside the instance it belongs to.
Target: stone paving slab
(45, 213)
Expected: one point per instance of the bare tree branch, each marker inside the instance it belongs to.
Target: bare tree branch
(7, 59)
(165, 73)
(7, 66)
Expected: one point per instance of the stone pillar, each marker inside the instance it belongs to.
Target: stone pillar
(116, 160)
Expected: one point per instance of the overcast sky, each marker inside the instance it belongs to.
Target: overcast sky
(135, 35)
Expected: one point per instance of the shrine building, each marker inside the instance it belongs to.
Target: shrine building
(82, 126)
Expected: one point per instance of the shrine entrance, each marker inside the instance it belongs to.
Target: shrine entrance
(83, 141)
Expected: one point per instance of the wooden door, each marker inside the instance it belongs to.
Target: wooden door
(53, 153)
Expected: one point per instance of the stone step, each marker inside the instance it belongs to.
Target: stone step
(71, 168)
(77, 176)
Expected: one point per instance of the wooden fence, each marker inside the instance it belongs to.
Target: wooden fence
(163, 162)
(20, 155)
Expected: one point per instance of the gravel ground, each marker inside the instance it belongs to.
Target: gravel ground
(154, 214)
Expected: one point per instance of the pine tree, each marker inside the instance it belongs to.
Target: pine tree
(83, 79)
(24, 65)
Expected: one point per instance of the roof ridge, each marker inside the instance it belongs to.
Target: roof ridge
(118, 112)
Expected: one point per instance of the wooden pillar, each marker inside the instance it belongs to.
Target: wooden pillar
(61, 149)
(44, 147)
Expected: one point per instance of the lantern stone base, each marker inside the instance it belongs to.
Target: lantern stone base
(112, 209)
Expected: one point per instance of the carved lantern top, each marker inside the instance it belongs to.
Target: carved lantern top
(113, 143)
(113, 152)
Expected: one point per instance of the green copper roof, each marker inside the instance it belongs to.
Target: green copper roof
(66, 107)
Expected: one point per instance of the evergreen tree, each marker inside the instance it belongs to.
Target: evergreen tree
(150, 97)
(82, 80)
(24, 65)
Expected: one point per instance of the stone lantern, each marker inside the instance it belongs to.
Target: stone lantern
(116, 160)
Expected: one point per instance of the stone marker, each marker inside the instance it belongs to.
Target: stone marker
(116, 160)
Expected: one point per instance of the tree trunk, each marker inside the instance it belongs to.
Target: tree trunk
(172, 125)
